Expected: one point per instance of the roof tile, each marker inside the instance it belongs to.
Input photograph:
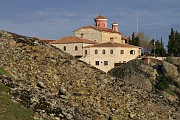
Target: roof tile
(100, 29)
(112, 44)
(72, 39)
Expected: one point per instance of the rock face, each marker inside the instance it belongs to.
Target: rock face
(136, 72)
(170, 70)
(57, 86)
(175, 61)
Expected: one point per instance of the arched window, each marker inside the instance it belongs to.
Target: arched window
(111, 51)
(96, 51)
(76, 48)
(64, 48)
(122, 52)
(85, 52)
(103, 51)
(132, 52)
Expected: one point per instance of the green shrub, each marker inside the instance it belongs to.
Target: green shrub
(168, 59)
(163, 82)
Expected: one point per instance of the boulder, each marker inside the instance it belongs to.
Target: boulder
(135, 72)
(169, 70)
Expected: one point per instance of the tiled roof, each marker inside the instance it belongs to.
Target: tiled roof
(47, 41)
(44, 40)
(124, 38)
(72, 39)
(112, 44)
(98, 28)
(100, 17)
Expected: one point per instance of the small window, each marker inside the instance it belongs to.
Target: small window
(132, 52)
(96, 51)
(105, 62)
(97, 63)
(111, 51)
(76, 48)
(85, 52)
(122, 52)
(64, 48)
(103, 51)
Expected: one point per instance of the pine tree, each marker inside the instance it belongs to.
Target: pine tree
(174, 43)
(163, 51)
(134, 40)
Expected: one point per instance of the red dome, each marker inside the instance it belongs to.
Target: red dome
(100, 17)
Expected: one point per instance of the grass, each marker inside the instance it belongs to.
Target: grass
(4, 72)
(10, 110)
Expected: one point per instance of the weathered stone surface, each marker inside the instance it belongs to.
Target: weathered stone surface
(170, 69)
(41, 74)
(136, 72)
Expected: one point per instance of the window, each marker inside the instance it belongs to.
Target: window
(76, 48)
(96, 51)
(105, 62)
(103, 51)
(111, 51)
(122, 52)
(97, 63)
(64, 48)
(132, 52)
(85, 52)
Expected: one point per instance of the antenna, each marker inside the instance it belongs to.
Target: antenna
(137, 23)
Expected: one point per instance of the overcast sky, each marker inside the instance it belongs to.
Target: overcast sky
(54, 19)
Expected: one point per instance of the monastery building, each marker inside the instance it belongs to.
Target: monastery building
(98, 45)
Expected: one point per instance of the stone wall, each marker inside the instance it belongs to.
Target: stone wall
(90, 34)
(116, 57)
(107, 35)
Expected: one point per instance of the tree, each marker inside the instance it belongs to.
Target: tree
(134, 40)
(160, 51)
(174, 43)
(159, 48)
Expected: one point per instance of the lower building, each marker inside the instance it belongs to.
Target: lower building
(106, 56)
(73, 45)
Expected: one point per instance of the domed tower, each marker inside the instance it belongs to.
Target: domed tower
(100, 21)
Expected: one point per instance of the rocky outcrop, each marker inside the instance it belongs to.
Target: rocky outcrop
(175, 61)
(57, 86)
(169, 70)
(136, 72)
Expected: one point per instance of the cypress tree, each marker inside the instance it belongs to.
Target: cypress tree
(171, 42)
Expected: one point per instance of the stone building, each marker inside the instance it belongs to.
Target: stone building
(98, 45)
(106, 56)
(100, 33)
(73, 45)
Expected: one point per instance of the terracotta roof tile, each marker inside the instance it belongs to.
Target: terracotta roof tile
(124, 38)
(100, 17)
(44, 40)
(100, 29)
(112, 44)
(72, 39)
(47, 41)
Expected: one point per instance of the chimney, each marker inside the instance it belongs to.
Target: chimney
(115, 26)
(112, 40)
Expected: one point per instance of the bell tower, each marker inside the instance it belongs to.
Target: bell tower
(100, 21)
